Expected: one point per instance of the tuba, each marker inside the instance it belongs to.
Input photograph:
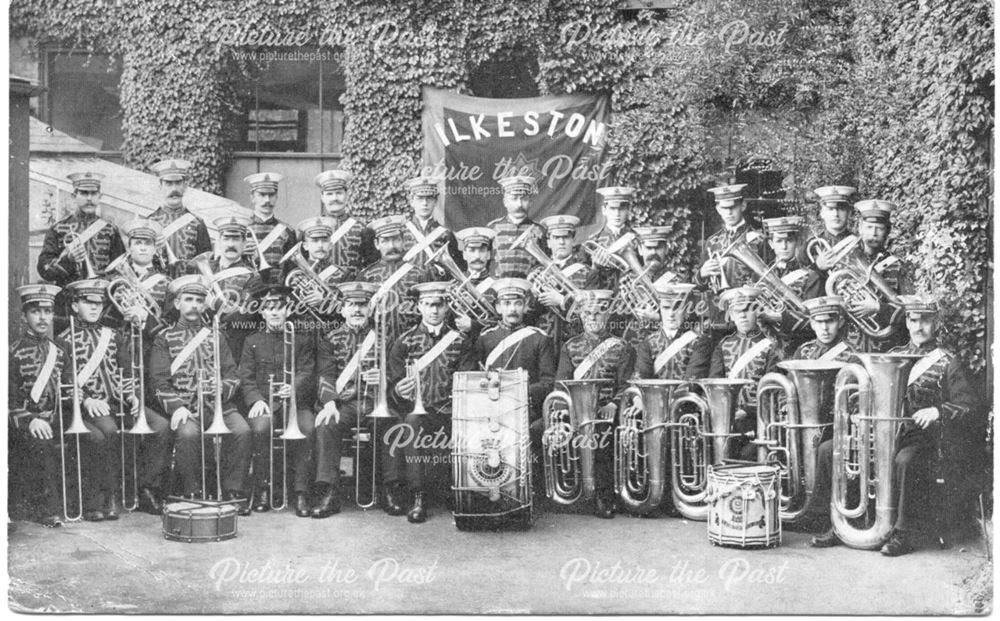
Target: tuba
(793, 435)
(463, 296)
(776, 296)
(857, 281)
(635, 287)
(699, 439)
(641, 445)
(568, 442)
(127, 293)
(551, 278)
(864, 445)
(291, 411)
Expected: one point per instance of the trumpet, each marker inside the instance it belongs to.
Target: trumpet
(568, 447)
(857, 281)
(76, 428)
(262, 263)
(71, 241)
(551, 278)
(137, 390)
(128, 294)
(304, 280)
(291, 428)
(635, 287)
(218, 426)
(380, 412)
(463, 296)
(718, 281)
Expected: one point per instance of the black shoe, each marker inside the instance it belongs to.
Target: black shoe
(393, 497)
(240, 500)
(113, 507)
(604, 507)
(898, 544)
(262, 501)
(828, 539)
(302, 504)
(51, 521)
(149, 502)
(329, 504)
(94, 516)
(418, 512)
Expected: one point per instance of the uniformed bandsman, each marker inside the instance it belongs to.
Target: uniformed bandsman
(784, 238)
(653, 255)
(430, 353)
(346, 240)
(515, 262)
(184, 235)
(37, 365)
(319, 296)
(140, 236)
(677, 349)
(183, 356)
(616, 207)
(263, 361)
(835, 219)
(476, 244)
(423, 195)
(828, 324)
(394, 275)
(267, 235)
(233, 276)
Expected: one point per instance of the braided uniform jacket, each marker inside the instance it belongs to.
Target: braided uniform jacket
(102, 248)
(26, 358)
(609, 277)
(274, 252)
(402, 310)
(794, 327)
(558, 329)
(237, 288)
(616, 364)
(534, 354)
(435, 379)
(447, 238)
(828, 237)
(691, 362)
(514, 262)
(729, 350)
(156, 282)
(190, 241)
(347, 252)
(814, 350)
(180, 389)
(104, 383)
(334, 353)
(736, 274)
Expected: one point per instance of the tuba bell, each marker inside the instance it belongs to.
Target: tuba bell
(568, 442)
(859, 283)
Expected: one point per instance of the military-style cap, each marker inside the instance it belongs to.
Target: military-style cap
(739, 297)
(266, 182)
(652, 235)
(430, 290)
(334, 179)
(142, 228)
(835, 195)
(90, 289)
(672, 294)
(192, 283)
(388, 226)
(86, 180)
(518, 184)
(357, 291)
(40, 295)
(728, 195)
(824, 307)
(881, 210)
(617, 196)
(787, 225)
(475, 236)
(271, 293)
(320, 226)
(590, 298)
(919, 304)
(511, 288)
(558, 225)
(422, 186)
(232, 224)
(171, 170)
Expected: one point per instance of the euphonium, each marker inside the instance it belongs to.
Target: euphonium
(291, 413)
(304, 279)
(551, 278)
(569, 442)
(635, 287)
(76, 428)
(775, 294)
(859, 283)
(641, 445)
(793, 436)
(126, 290)
(463, 296)
(699, 439)
(864, 445)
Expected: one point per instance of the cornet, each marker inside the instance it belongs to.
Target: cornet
(304, 280)
(291, 412)
(418, 396)
(71, 241)
(262, 263)
(463, 296)
(76, 428)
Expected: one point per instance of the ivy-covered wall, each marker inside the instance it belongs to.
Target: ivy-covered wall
(894, 97)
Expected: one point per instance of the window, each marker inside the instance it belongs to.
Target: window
(83, 97)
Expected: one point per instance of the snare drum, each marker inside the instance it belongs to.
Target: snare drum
(199, 521)
(743, 507)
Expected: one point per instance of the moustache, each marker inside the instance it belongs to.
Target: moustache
(175, 195)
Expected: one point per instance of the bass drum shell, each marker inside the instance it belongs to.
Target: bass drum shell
(198, 523)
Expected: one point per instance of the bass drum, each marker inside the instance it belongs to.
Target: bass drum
(491, 450)
(743, 507)
(199, 521)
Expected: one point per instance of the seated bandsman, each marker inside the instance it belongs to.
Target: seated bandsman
(423, 194)
(552, 312)
(140, 237)
(477, 254)
(784, 238)
(36, 366)
(835, 218)
(233, 276)
(828, 323)
(747, 353)
(340, 401)
(264, 361)
(429, 353)
(515, 262)
(673, 351)
(182, 357)
(597, 354)
(316, 291)
(394, 275)
(653, 256)
(183, 235)
(268, 239)
(346, 240)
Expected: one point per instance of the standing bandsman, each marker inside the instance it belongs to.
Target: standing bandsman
(182, 357)
(477, 253)
(835, 217)
(268, 236)
(317, 253)
(346, 240)
(596, 354)
(616, 208)
(395, 275)
(673, 351)
(233, 276)
(428, 353)
(423, 195)
(553, 309)
(184, 235)
(515, 262)
(263, 361)
(653, 255)
(81, 245)
(784, 238)
(37, 365)
(140, 238)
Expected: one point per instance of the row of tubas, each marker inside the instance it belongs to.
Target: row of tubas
(674, 430)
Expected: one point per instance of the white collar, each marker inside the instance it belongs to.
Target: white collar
(434, 330)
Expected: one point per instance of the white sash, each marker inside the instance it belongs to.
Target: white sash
(272, 237)
(485, 285)
(621, 242)
(672, 350)
(834, 351)
(45, 373)
(229, 272)
(342, 230)
(391, 281)
(352, 365)
(509, 341)
(95, 359)
(94, 228)
(432, 354)
(665, 278)
(595, 354)
(924, 364)
(887, 262)
(571, 269)
(150, 283)
(748, 356)
(794, 276)
(328, 271)
(189, 349)
(422, 243)
(178, 224)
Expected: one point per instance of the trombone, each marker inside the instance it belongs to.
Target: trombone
(218, 426)
(76, 428)
(141, 427)
(291, 412)
(378, 360)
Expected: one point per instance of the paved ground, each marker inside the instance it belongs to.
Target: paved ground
(373, 563)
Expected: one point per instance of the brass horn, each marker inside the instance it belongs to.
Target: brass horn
(126, 291)
(635, 288)
(380, 412)
(857, 281)
(775, 295)
(291, 428)
(218, 426)
(463, 296)
(568, 444)
(76, 428)
(303, 279)
(71, 241)
(551, 278)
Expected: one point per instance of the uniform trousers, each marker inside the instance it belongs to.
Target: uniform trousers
(299, 451)
(235, 451)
